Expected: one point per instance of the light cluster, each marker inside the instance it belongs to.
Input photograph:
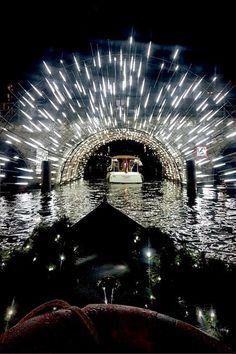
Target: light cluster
(121, 88)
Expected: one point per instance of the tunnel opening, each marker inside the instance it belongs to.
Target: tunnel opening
(99, 162)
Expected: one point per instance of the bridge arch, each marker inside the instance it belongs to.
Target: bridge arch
(73, 166)
(122, 92)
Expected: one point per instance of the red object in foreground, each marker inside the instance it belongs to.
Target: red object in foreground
(104, 328)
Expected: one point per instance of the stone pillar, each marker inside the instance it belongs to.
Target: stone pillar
(46, 176)
(191, 179)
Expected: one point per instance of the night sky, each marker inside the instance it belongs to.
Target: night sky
(44, 29)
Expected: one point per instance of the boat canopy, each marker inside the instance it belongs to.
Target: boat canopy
(130, 157)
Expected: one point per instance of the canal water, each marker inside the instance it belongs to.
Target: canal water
(208, 224)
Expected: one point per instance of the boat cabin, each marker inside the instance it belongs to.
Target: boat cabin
(125, 169)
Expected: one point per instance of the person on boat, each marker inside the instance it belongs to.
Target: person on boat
(125, 166)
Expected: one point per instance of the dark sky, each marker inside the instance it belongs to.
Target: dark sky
(31, 33)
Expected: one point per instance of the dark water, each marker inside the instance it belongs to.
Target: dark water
(204, 297)
(208, 225)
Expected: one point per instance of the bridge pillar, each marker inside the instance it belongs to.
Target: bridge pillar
(46, 176)
(191, 179)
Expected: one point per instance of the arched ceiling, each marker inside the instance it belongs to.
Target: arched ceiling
(120, 89)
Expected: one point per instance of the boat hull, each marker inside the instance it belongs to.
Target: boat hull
(125, 177)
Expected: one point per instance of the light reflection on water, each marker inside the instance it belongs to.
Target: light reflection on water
(208, 225)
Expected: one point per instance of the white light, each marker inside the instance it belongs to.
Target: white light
(198, 95)
(210, 132)
(63, 77)
(204, 107)
(203, 162)
(44, 126)
(149, 49)
(42, 113)
(37, 142)
(212, 314)
(175, 54)
(146, 102)
(206, 115)
(13, 138)
(67, 92)
(159, 95)
(46, 66)
(33, 160)
(197, 84)
(26, 114)
(221, 98)
(187, 91)
(142, 87)
(229, 173)
(53, 104)
(212, 115)
(62, 257)
(24, 105)
(179, 137)
(28, 143)
(182, 80)
(77, 64)
(219, 165)
(200, 314)
(99, 64)
(9, 313)
(87, 73)
(231, 135)
(25, 177)
(27, 128)
(51, 268)
(201, 175)
(201, 141)
(218, 158)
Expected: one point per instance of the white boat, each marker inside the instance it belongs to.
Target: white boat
(125, 169)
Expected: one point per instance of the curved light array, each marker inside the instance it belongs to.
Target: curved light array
(125, 88)
(77, 160)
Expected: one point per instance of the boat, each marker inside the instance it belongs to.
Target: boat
(124, 169)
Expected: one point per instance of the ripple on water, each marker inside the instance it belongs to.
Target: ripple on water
(207, 224)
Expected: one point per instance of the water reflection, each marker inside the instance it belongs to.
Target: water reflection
(46, 207)
(208, 223)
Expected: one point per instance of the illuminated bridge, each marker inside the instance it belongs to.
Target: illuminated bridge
(122, 91)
